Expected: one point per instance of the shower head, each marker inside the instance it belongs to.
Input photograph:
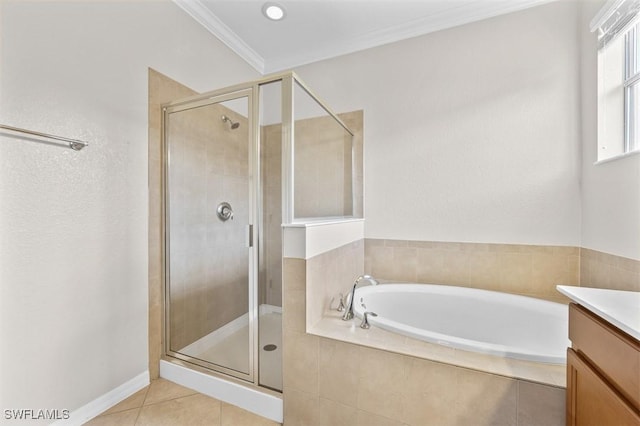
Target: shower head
(230, 121)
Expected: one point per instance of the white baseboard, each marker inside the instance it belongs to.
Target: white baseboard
(101, 404)
(252, 400)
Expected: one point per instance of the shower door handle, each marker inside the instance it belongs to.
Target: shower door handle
(249, 236)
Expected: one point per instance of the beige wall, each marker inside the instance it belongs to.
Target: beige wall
(472, 132)
(74, 225)
(333, 383)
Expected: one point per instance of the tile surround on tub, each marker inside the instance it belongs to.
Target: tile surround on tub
(603, 270)
(521, 269)
(350, 378)
(450, 386)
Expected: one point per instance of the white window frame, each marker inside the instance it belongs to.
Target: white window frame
(619, 19)
(631, 82)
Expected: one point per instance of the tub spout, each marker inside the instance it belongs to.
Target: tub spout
(348, 313)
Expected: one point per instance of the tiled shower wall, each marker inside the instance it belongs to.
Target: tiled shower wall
(327, 382)
(209, 258)
(320, 184)
(271, 262)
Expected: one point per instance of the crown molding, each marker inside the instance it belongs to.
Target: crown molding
(455, 16)
(450, 18)
(214, 25)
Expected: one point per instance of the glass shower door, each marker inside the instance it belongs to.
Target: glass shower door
(209, 253)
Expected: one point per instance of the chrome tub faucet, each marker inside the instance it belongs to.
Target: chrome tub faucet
(348, 313)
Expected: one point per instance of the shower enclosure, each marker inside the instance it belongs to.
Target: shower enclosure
(239, 163)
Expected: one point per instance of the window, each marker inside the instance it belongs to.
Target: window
(632, 89)
(618, 79)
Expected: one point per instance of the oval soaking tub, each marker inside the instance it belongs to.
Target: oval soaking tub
(472, 319)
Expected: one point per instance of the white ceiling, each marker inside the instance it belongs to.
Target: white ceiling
(320, 29)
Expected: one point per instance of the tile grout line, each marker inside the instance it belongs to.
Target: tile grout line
(142, 405)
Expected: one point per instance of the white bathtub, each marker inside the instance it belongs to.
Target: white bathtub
(476, 320)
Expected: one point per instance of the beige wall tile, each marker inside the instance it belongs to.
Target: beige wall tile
(456, 267)
(405, 260)
(396, 243)
(339, 371)
(320, 271)
(430, 266)
(329, 275)
(429, 393)
(333, 413)
(294, 271)
(485, 399)
(369, 419)
(293, 317)
(600, 274)
(380, 392)
(381, 259)
(484, 270)
(516, 272)
(627, 264)
(622, 279)
(300, 361)
(301, 408)
(604, 270)
(540, 405)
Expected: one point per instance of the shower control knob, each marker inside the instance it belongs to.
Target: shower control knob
(224, 211)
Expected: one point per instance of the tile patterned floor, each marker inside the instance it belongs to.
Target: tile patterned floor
(166, 403)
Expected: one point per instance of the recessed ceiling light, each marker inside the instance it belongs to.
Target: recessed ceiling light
(273, 11)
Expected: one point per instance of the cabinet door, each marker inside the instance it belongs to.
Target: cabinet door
(590, 400)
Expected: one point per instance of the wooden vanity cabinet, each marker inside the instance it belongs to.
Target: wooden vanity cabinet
(603, 372)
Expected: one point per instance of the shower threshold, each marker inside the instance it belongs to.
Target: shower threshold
(227, 346)
(264, 404)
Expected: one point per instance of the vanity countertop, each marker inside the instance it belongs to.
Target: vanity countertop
(620, 308)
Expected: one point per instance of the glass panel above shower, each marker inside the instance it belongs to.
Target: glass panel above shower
(323, 161)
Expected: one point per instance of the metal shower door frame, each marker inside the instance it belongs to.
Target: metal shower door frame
(252, 89)
(252, 229)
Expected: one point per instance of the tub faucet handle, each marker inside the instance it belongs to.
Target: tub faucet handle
(365, 320)
(341, 303)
